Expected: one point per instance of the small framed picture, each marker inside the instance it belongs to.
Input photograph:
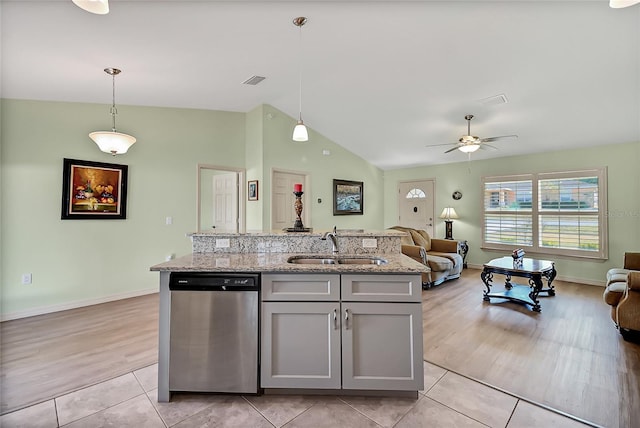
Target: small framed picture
(252, 190)
(93, 190)
(348, 197)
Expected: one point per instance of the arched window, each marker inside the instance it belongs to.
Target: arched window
(415, 193)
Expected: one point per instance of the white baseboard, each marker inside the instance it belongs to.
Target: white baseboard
(598, 283)
(73, 305)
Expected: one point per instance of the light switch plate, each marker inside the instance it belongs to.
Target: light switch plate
(222, 243)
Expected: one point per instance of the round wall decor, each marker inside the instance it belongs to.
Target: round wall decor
(456, 195)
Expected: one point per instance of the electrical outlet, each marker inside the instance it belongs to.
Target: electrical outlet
(170, 257)
(370, 243)
(222, 243)
(168, 221)
(26, 278)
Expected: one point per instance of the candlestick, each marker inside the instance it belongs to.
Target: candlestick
(297, 187)
(297, 206)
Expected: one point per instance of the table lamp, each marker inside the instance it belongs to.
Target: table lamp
(448, 213)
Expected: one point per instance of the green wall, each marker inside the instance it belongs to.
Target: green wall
(76, 262)
(284, 154)
(621, 160)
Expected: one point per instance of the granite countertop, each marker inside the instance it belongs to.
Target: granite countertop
(278, 233)
(277, 262)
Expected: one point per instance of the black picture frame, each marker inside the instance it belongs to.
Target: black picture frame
(252, 190)
(94, 190)
(348, 197)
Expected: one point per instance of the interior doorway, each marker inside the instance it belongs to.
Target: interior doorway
(416, 204)
(220, 203)
(282, 212)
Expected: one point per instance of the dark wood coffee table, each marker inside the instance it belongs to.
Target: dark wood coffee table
(533, 269)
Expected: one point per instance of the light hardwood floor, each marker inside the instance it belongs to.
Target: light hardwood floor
(568, 357)
(44, 356)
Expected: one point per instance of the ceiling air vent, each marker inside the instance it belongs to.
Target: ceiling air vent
(253, 80)
(494, 101)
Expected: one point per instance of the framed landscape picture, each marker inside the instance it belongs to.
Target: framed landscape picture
(348, 197)
(93, 190)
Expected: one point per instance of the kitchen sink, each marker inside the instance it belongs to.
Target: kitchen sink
(307, 260)
(362, 261)
(323, 260)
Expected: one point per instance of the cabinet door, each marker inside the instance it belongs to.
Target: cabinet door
(382, 346)
(300, 345)
(300, 287)
(382, 288)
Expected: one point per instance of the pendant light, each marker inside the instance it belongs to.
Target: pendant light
(618, 4)
(99, 7)
(112, 141)
(300, 131)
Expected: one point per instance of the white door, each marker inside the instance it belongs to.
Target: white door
(415, 205)
(282, 213)
(225, 202)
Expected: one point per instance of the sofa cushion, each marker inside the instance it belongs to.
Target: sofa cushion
(419, 240)
(455, 258)
(614, 292)
(426, 237)
(617, 275)
(439, 264)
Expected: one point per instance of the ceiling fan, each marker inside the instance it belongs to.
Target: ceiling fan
(470, 143)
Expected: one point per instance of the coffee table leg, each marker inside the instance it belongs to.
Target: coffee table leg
(507, 282)
(486, 277)
(550, 276)
(536, 285)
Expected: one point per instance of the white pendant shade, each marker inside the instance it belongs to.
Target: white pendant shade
(300, 132)
(469, 148)
(99, 7)
(617, 4)
(115, 143)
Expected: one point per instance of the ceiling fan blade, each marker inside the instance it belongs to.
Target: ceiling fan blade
(440, 145)
(490, 139)
(485, 146)
(453, 148)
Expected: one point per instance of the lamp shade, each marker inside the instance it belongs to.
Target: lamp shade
(300, 132)
(449, 213)
(617, 4)
(469, 148)
(115, 143)
(99, 7)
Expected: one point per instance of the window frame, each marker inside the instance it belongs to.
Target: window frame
(536, 213)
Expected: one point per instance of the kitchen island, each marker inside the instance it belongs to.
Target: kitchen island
(331, 328)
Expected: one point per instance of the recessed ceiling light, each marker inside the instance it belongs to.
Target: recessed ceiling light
(253, 80)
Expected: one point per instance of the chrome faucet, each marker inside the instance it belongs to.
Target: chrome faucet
(334, 240)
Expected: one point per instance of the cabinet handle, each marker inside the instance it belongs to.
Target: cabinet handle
(346, 319)
(335, 319)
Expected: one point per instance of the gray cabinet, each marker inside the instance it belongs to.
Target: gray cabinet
(368, 336)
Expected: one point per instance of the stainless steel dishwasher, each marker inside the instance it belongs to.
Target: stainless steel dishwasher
(214, 332)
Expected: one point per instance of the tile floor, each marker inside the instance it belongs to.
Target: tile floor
(449, 400)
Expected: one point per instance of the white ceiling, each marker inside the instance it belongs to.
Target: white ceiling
(383, 79)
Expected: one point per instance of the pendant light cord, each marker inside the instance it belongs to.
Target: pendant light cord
(300, 75)
(114, 110)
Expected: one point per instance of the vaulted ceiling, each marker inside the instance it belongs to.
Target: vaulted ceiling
(384, 79)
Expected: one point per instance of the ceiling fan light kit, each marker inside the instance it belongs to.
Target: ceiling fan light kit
(470, 143)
